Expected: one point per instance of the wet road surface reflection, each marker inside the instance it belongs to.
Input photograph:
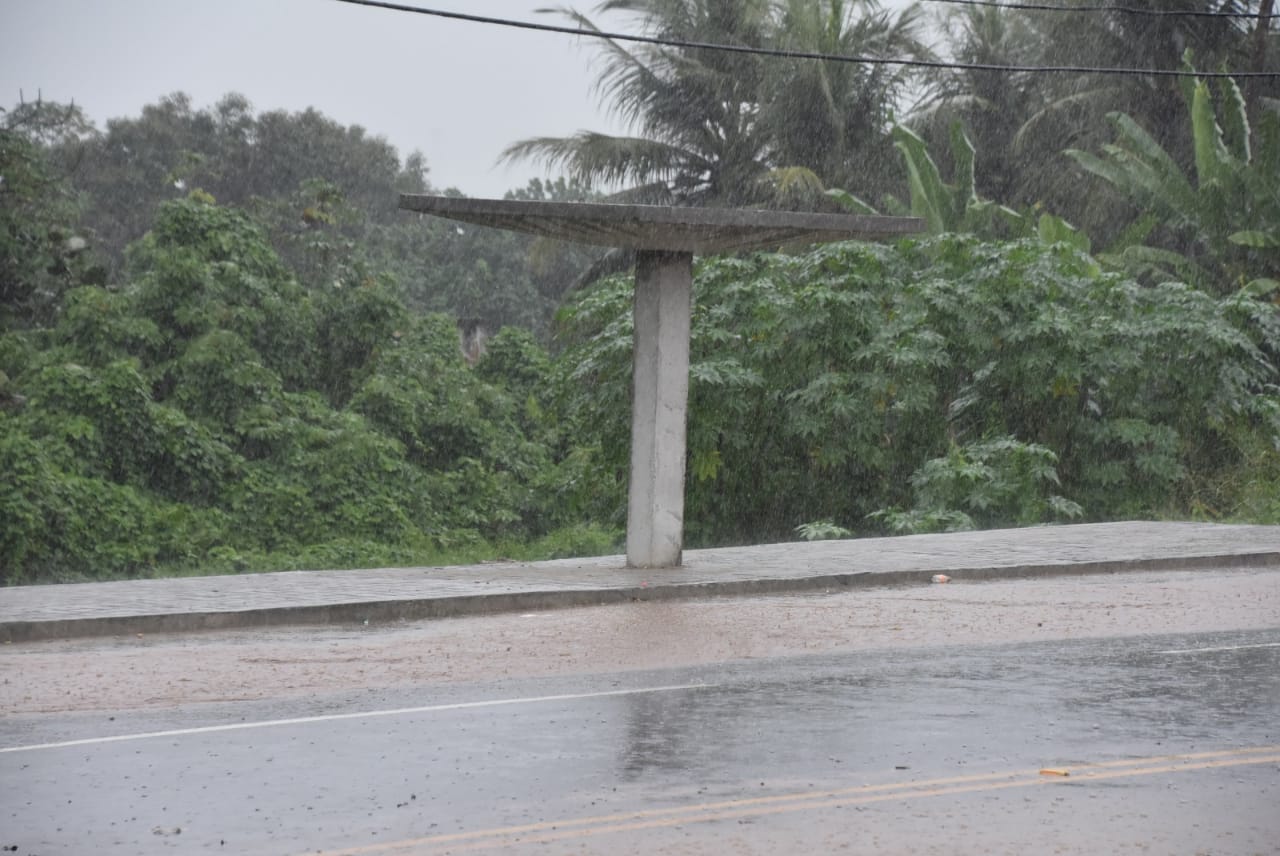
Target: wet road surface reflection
(889, 751)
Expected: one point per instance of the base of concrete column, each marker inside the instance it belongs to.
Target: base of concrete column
(660, 393)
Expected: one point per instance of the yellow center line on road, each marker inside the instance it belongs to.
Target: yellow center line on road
(550, 831)
(748, 805)
(1177, 768)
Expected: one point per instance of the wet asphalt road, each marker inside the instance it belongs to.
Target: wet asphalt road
(1171, 744)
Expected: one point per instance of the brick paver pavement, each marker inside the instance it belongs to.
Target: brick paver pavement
(54, 611)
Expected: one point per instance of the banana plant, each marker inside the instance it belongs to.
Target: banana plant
(1219, 228)
(946, 207)
(956, 207)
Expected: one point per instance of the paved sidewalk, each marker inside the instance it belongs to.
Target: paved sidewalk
(29, 613)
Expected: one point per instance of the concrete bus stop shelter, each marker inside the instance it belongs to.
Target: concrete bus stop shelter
(665, 240)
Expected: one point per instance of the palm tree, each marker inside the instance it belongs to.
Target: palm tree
(694, 110)
(833, 118)
(715, 127)
(991, 107)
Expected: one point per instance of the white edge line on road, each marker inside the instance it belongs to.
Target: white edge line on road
(1223, 648)
(333, 717)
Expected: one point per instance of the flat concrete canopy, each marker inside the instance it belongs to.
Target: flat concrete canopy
(665, 240)
(656, 227)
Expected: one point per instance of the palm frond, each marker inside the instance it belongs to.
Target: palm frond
(594, 158)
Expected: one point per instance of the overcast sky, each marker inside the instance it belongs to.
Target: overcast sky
(458, 92)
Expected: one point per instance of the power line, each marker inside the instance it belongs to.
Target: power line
(789, 54)
(1127, 10)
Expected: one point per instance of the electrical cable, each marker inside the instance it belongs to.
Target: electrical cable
(789, 54)
(1127, 10)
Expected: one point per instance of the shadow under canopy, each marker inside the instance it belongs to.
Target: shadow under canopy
(665, 240)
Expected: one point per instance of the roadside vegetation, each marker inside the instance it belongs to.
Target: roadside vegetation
(223, 349)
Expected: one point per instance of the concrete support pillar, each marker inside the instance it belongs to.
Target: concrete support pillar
(660, 397)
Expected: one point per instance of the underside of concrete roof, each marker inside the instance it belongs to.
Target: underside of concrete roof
(653, 227)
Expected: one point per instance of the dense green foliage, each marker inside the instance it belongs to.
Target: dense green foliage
(218, 414)
(939, 384)
(216, 409)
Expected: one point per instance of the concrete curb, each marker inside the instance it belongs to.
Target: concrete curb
(454, 606)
